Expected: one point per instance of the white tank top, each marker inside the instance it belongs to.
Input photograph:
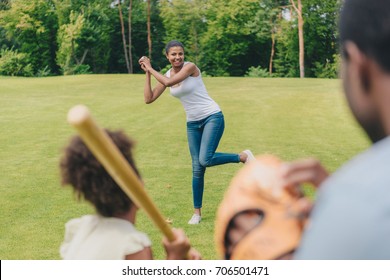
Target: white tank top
(193, 95)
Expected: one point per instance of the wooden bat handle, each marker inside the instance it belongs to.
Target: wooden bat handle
(116, 165)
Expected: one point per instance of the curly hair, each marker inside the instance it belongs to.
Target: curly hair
(80, 169)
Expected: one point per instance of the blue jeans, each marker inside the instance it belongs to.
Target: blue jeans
(203, 139)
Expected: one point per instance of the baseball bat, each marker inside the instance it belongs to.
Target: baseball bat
(116, 165)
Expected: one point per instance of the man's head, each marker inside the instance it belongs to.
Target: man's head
(365, 45)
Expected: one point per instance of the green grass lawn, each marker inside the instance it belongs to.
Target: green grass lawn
(291, 118)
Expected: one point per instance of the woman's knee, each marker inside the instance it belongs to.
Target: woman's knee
(198, 170)
(205, 162)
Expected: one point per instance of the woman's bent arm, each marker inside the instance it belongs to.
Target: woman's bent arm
(189, 69)
(150, 95)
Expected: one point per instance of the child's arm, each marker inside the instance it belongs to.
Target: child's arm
(180, 248)
(145, 254)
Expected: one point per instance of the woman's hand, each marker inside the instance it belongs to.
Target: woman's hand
(145, 63)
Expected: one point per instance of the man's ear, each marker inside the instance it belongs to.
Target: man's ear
(360, 63)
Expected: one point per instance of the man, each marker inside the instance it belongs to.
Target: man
(351, 216)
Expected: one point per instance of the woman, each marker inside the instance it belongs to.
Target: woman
(205, 121)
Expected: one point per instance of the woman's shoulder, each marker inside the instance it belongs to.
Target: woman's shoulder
(194, 69)
(190, 64)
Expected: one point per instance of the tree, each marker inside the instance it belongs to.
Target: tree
(228, 41)
(4, 4)
(222, 37)
(129, 26)
(286, 61)
(267, 24)
(32, 27)
(321, 43)
(298, 9)
(96, 35)
(4, 41)
(125, 49)
(138, 44)
(148, 21)
(68, 36)
(185, 21)
(84, 35)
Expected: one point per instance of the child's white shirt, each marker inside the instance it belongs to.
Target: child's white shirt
(94, 237)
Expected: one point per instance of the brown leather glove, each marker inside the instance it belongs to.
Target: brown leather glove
(258, 217)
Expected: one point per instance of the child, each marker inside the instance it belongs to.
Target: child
(110, 233)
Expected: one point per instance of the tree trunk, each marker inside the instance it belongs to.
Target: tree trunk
(123, 36)
(130, 41)
(149, 32)
(83, 57)
(271, 59)
(298, 9)
(196, 47)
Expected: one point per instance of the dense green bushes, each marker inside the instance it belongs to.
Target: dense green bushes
(13, 63)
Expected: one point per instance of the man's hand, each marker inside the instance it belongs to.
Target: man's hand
(304, 171)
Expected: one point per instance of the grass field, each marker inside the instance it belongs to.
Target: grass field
(291, 118)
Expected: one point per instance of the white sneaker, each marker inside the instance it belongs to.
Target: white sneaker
(250, 156)
(195, 219)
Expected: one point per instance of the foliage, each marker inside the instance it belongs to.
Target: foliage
(32, 26)
(184, 21)
(139, 37)
(96, 36)
(224, 38)
(5, 42)
(13, 63)
(257, 72)
(320, 31)
(286, 57)
(45, 72)
(84, 36)
(266, 25)
(4, 4)
(82, 69)
(67, 38)
(165, 69)
(228, 40)
(330, 69)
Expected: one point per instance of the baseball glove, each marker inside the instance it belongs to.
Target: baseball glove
(258, 216)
